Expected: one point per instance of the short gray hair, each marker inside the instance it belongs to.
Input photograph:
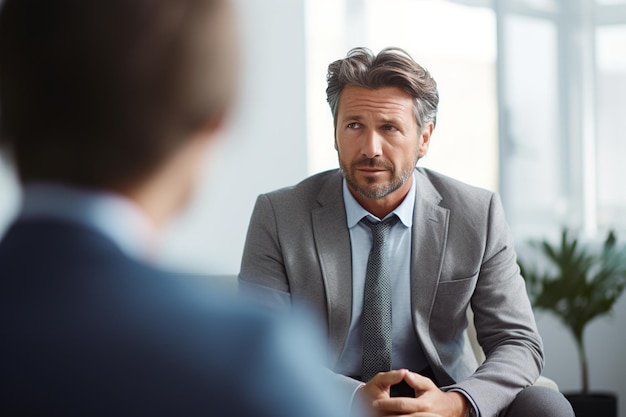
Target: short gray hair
(392, 67)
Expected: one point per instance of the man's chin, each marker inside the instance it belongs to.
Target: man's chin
(374, 192)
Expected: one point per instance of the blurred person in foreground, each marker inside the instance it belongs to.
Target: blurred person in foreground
(108, 108)
(395, 311)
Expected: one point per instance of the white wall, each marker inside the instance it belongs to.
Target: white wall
(264, 147)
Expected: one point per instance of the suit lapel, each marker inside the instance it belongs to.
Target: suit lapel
(429, 237)
(332, 240)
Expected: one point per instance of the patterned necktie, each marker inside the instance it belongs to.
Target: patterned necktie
(376, 316)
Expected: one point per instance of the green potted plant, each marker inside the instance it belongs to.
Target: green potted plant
(577, 285)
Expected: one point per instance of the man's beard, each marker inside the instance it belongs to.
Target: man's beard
(376, 191)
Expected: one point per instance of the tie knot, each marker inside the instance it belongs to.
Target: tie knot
(382, 227)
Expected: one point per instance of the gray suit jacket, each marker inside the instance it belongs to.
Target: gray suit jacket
(298, 251)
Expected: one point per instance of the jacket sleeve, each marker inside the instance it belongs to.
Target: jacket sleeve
(264, 279)
(262, 276)
(504, 321)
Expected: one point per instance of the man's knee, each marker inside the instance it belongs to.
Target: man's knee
(539, 402)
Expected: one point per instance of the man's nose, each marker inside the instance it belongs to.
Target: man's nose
(372, 144)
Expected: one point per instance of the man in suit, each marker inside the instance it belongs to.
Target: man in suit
(447, 248)
(108, 108)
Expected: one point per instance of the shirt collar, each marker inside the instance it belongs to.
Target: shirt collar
(111, 214)
(355, 212)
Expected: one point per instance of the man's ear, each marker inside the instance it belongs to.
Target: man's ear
(216, 123)
(212, 125)
(424, 140)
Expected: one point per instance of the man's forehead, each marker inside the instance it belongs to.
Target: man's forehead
(388, 100)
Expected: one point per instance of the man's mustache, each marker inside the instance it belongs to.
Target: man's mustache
(372, 163)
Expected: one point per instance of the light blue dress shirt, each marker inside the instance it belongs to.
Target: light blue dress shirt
(406, 348)
(113, 215)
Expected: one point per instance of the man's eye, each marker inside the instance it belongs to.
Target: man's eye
(353, 125)
(389, 127)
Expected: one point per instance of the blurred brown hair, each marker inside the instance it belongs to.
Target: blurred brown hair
(98, 93)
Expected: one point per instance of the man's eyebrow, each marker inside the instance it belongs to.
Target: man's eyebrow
(391, 120)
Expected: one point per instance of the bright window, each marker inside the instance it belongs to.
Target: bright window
(533, 97)
(456, 43)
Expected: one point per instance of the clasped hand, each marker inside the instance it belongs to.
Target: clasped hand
(429, 400)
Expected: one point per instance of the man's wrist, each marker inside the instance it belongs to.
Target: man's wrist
(468, 408)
